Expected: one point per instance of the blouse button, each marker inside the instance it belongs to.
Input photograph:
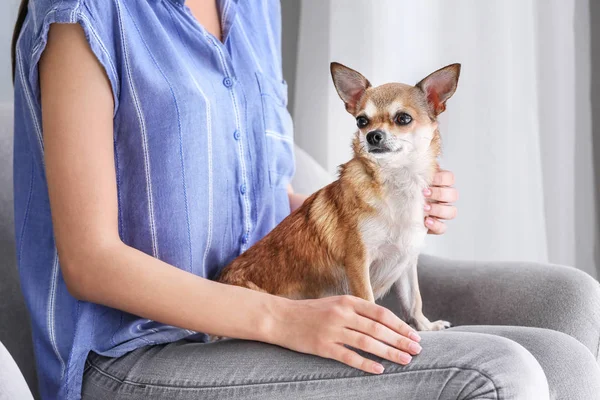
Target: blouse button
(227, 82)
(236, 135)
(243, 189)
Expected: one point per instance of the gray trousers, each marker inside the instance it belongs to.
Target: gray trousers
(525, 331)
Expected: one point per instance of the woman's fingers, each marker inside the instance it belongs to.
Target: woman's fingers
(443, 178)
(386, 337)
(441, 210)
(385, 317)
(367, 343)
(435, 226)
(355, 360)
(441, 194)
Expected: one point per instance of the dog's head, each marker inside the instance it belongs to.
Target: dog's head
(395, 120)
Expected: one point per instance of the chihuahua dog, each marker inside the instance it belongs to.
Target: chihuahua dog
(362, 234)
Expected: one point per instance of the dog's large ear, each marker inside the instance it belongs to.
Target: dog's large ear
(350, 85)
(440, 86)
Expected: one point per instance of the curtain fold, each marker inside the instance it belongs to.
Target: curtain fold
(517, 133)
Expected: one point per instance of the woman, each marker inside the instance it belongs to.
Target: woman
(152, 146)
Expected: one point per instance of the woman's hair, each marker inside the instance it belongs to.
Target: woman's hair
(18, 26)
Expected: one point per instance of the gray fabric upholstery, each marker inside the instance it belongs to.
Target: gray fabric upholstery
(547, 296)
(15, 331)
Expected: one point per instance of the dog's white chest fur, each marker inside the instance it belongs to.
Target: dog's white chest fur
(394, 236)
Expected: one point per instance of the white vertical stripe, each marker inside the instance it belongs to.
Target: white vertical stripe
(143, 133)
(50, 312)
(210, 174)
(28, 97)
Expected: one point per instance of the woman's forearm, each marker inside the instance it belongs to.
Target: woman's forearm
(122, 277)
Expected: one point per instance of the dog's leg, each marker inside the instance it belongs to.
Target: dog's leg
(360, 284)
(357, 272)
(406, 292)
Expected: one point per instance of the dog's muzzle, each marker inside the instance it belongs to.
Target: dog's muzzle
(376, 141)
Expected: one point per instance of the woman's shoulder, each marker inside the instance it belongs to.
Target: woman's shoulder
(102, 19)
(41, 14)
(65, 11)
(98, 18)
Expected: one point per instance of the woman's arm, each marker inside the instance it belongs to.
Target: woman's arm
(77, 110)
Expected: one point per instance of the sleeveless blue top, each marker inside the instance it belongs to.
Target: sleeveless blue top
(203, 153)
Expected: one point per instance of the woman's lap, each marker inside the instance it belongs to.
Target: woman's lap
(473, 362)
(453, 365)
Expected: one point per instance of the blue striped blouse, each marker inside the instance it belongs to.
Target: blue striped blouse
(203, 154)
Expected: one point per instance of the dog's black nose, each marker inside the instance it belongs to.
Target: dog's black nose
(374, 138)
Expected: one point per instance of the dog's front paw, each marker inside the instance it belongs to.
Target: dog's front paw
(439, 325)
(426, 325)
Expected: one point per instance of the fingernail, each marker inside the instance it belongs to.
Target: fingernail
(429, 222)
(378, 368)
(427, 192)
(414, 348)
(404, 358)
(414, 336)
(427, 207)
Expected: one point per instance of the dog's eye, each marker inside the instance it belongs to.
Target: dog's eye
(362, 122)
(403, 119)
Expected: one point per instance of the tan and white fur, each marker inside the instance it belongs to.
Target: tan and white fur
(362, 234)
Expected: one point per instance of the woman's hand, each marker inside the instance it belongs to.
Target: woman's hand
(323, 326)
(438, 207)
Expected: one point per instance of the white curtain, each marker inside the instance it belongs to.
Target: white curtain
(517, 133)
